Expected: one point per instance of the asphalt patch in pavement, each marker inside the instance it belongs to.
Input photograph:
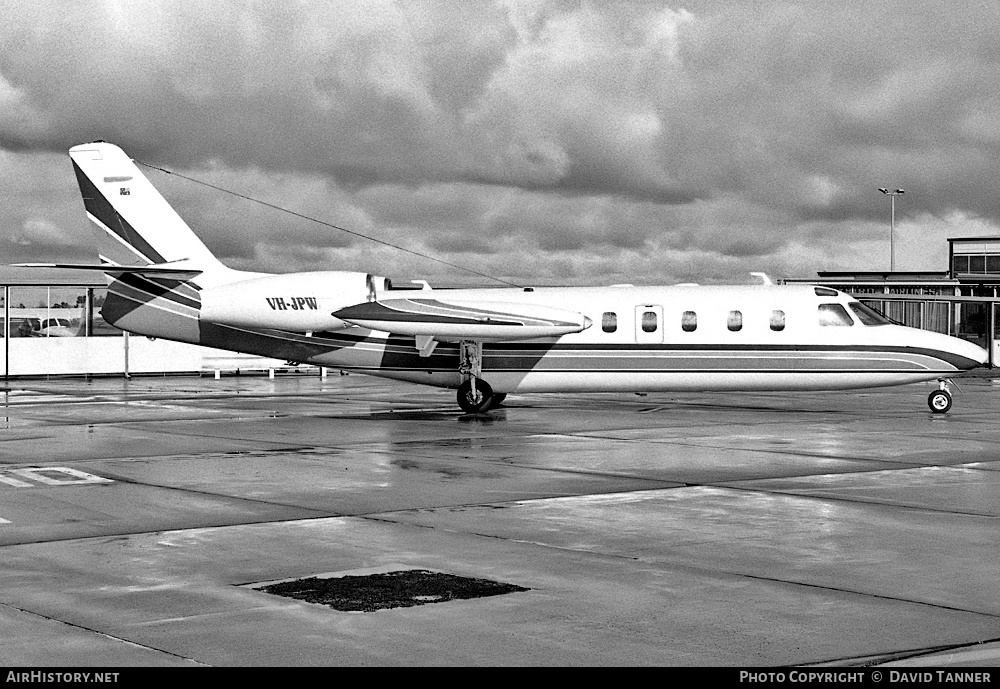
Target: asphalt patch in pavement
(402, 589)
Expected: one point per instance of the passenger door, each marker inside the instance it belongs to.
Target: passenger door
(648, 323)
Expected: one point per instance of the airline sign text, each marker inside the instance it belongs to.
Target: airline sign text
(292, 303)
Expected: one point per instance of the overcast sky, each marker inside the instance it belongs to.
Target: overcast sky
(576, 143)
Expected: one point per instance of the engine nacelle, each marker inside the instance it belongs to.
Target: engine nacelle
(299, 302)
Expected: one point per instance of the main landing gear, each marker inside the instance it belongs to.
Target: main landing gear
(474, 394)
(940, 400)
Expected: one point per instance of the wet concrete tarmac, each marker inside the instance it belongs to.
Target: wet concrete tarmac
(699, 529)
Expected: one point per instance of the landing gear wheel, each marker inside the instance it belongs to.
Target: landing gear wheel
(939, 401)
(475, 402)
(498, 398)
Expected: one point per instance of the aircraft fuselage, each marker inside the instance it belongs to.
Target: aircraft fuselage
(641, 339)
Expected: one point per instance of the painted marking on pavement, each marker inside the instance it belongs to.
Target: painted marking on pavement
(17, 483)
(50, 476)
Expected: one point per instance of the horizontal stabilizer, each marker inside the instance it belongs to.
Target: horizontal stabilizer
(161, 270)
(464, 320)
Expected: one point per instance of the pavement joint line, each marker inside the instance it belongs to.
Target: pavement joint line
(100, 633)
(497, 537)
(318, 458)
(185, 404)
(833, 498)
(767, 450)
(373, 516)
(879, 596)
(876, 659)
(897, 465)
(194, 491)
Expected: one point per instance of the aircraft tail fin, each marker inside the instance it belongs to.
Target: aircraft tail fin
(137, 225)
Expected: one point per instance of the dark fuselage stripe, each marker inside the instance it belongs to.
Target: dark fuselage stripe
(395, 353)
(508, 352)
(158, 287)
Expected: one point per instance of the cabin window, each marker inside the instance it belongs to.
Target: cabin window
(735, 321)
(689, 321)
(825, 292)
(868, 315)
(609, 322)
(777, 320)
(649, 322)
(834, 314)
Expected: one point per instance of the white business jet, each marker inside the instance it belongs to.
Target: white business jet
(164, 282)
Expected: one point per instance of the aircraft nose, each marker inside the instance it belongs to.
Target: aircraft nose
(954, 351)
(968, 355)
(983, 358)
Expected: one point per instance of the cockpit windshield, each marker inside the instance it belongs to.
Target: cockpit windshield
(868, 315)
(834, 314)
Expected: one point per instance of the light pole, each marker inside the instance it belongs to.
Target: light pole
(892, 225)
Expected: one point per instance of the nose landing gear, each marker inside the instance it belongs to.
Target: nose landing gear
(940, 400)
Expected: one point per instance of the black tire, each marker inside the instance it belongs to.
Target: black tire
(478, 403)
(497, 399)
(939, 401)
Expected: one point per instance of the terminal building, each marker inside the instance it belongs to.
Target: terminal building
(52, 323)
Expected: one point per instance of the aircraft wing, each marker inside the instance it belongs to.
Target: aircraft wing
(452, 320)
(161, 270)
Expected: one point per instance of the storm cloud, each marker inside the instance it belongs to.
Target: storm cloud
(544, 142)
